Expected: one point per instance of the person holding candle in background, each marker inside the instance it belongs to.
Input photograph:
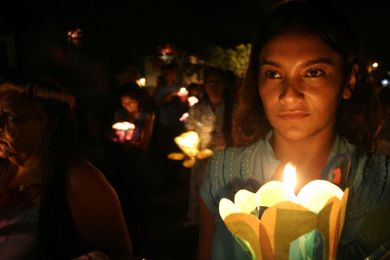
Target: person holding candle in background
(131, 165)
(170, 104)
(54, 204)
(207, 118)
(305, 99)
(136, 111)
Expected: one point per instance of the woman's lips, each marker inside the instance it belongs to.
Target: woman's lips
(293, 115)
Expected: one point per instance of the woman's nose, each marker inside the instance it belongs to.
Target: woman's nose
(291, 91)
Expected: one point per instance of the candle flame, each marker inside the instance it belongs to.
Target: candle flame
(289, 176)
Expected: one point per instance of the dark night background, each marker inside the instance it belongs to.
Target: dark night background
(118, 32)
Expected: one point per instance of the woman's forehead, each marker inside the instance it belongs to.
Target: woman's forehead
(299, 43)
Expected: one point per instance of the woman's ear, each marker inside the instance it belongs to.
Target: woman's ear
(350, 82)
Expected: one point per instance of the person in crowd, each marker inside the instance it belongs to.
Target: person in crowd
(305, 99)
(207, 119)
(136, 110)
(54, 204)
(130, 168)
(169, 109)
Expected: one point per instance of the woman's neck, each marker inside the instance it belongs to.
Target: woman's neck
(309, 155)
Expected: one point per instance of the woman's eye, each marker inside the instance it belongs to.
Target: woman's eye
(314, 73)
(271, 74)
(5, 117)
(10, 116)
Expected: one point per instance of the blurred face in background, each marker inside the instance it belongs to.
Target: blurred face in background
(130, 104)
(22, 126)
(214, 86)
(169, 75)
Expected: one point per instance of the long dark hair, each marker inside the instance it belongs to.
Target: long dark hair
(358, 119)
(59, 151)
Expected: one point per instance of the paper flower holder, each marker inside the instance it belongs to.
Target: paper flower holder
(189, 143)
(306, 226)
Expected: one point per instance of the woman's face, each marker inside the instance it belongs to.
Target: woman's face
(22, 127)
(130, 104)
(301, 82)
(214, 86)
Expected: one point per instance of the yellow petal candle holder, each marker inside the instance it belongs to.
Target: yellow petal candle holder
(292, 225)
(189, 142)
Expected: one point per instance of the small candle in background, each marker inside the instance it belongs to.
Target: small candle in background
(192, 100)
(182, 94)
(123, 130)
(184, 117)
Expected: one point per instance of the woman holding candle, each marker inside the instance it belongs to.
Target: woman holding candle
(54, 204)
(135, 110)
(305, 99)
(131, 165)
(207, 118)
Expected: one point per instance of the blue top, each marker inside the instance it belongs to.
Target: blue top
(251, 166)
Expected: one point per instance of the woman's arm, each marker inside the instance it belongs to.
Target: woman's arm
(206, 231)
(97, 213)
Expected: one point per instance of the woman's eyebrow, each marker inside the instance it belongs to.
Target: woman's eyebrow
(305, 64)
(317, 61)
(270, 62)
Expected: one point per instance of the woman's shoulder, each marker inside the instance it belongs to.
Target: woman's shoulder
(84, 176)
(237, 156)
(231, 157)
(228, 171)
(368, 204)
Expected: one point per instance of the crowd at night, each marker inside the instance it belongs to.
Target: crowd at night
(124, 126)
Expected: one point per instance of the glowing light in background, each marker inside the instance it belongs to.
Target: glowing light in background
(192, 100)
(385, 82)
(184, 117)
(74, 36)
(141, 82)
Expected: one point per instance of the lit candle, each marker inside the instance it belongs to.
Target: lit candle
(184, 117)
(192, 101)
(188, 142)
(123, 130)
(182, 92)
(290, 226)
